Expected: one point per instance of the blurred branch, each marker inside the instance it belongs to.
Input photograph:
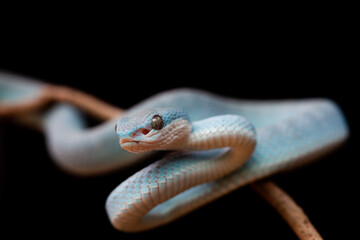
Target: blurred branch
(52, 93)
(287, 208)
(282, 202)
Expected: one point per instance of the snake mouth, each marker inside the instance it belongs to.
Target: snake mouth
(127, 140)
(133, 146)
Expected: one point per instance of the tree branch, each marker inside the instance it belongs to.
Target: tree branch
(287, 208)
(52, 93)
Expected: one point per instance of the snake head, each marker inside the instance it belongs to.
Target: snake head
(153, 129)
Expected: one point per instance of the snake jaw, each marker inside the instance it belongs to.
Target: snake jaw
(134, 146)
(127, 140)
(136, 142)
(129, 146)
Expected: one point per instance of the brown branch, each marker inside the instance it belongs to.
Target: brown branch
(84, 101)
(52, 93)
(283, 203)
(287, 208)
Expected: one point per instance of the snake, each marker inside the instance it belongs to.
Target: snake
(214, 145)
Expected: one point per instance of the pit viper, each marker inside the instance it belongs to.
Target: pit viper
(216, 144)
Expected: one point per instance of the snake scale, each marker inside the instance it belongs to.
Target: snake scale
(219, 144)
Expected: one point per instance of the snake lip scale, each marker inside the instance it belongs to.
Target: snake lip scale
(126, 140)
(221, 144)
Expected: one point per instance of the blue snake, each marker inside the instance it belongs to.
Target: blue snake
(219, 144)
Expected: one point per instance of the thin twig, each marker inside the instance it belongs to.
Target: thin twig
(86, 102)
(274, 195)
(52, 93)
(287, 208)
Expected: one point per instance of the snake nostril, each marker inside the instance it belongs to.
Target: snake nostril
(142, 131)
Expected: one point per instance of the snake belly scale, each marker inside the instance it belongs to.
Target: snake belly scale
(219, 145)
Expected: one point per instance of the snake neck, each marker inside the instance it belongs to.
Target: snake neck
(219, 132)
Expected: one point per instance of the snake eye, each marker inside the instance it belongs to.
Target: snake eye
(157, 122)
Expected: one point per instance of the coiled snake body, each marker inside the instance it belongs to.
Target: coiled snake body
(220, 144)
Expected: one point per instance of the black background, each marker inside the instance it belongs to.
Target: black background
(124, 67)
